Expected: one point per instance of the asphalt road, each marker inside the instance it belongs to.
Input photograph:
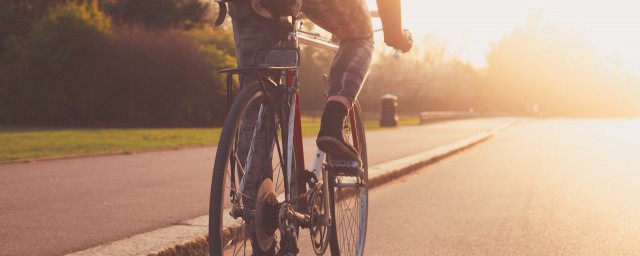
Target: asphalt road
(547, 187)
(62, 206)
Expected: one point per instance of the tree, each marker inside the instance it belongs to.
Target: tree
(18, 16)
(74, 69)
(159, 14)
(423, 80)
(315, 64)
(546, 65)
(39, 73)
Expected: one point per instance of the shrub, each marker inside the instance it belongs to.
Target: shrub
(42, 74)
(17, 16)
(159, 78)
(159, 13)
(73, 69)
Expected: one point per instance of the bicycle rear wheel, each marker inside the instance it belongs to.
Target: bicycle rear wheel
(250, 150)
(349, 195)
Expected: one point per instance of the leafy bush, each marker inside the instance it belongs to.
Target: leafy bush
(160, 78)
(425, 80)
(315, 64)
(18, 16)
(159, 13)
(73, 69)
(41, 74)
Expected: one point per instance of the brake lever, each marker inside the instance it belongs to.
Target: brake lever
(222, 13)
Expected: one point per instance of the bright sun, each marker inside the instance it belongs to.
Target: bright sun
(470, 26)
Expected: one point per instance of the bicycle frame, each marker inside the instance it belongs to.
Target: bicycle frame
(288, 82)
(295, 136)
(309, 39)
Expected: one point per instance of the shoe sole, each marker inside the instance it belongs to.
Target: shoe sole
(337, 149)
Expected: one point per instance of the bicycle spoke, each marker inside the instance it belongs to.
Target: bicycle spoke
(280, 182)
(239, 193)
(353, 223)
(278, 147)
(239, 235)
(243, 247)
(235, 246)
(235, 155)
(232, 187)
(346, 224)
(347, 204)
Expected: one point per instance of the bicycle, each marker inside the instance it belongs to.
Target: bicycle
(330, 200)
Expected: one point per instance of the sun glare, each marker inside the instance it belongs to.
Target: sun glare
(469, 26)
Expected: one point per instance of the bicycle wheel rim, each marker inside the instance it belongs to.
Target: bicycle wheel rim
(229, 236)
(349, 209)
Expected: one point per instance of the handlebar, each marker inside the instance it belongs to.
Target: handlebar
(308, 37)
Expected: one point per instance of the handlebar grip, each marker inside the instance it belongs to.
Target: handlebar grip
(397, 52)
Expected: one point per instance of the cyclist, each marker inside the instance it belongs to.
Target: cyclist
(350, 22)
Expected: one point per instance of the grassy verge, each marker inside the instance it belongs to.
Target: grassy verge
(37, 143)
(34, 142)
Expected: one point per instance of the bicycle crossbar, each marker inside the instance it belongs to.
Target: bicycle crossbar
(314, 41)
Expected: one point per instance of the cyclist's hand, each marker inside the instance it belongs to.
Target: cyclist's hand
(401, 41)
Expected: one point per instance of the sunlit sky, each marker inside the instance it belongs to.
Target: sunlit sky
(470, 26)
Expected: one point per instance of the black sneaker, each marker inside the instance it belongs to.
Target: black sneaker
(338, 149)
(330, 137)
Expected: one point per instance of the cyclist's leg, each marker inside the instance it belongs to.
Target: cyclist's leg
(350, 21)
(350, 68)
(348, 72)
(347, 19)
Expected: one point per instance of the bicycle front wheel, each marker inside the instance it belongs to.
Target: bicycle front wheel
(349, 195)
(250, 150)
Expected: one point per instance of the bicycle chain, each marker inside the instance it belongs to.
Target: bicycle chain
(305, 194)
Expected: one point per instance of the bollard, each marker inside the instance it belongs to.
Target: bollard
(389, 115)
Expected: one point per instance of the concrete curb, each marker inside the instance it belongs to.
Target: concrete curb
(190, 237)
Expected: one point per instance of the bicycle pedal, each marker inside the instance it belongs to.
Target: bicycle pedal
(311, 178)
(343, 167)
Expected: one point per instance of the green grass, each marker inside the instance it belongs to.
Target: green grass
(26, 143)
(36, 142)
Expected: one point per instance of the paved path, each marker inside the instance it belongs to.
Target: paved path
(62, 206)
(551, 187)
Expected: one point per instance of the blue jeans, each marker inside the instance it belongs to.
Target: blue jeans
(348, 20)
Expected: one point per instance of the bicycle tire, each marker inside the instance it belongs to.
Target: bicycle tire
(344, 240)
(224, 231)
